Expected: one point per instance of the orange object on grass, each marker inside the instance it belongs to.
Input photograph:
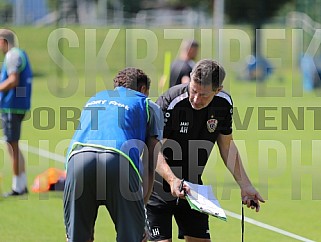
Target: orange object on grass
(45, 180)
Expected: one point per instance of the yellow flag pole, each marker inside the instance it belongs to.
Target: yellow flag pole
(164, 81)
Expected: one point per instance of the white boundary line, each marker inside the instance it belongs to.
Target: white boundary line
(60, 158)
(42, 152)
(268, 227)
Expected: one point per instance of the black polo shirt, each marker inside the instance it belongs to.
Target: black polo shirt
(179, 69)
(191, 134)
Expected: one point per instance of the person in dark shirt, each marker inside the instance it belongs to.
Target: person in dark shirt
(182, 67)
(197, 115)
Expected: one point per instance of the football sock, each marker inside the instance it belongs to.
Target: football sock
(19, 183)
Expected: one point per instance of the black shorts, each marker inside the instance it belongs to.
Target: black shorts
(103, 178)
(11, 124)
(189, 221)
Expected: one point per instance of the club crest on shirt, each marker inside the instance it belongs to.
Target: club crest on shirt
(211, 125)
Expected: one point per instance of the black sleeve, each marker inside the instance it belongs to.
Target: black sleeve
(179, 69)
(163, 101)
(226, 127)
(156, 120)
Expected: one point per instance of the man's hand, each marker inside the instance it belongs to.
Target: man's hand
(175, 188)
(251, 197)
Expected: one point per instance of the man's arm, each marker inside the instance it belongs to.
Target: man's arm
(165, 171)
(13, 63)
(11, 82)
(233, 162)
(185, 79)
(153, 146)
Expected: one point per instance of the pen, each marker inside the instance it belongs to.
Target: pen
(180, 189)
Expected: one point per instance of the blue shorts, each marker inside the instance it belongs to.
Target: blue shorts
(11, 124)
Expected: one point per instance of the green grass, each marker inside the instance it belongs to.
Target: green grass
(290, 205)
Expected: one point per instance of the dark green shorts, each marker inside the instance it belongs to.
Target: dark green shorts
(106, 178)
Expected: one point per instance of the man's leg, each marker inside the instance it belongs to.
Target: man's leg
(12, 130)
(188, 239)
(192, 239)
(159, 214)
(19, 180)
(193, 226)
(79, 199)
(18, 161)
(123, 195)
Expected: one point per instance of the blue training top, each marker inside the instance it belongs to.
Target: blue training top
(114, 120)
(16, 100)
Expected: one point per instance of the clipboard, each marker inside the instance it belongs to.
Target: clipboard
(202, 199)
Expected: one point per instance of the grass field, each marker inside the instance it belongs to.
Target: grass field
(276, 127)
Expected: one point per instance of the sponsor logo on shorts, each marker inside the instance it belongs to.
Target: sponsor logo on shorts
(155, 231)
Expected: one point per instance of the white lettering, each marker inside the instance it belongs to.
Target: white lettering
(96, 102)
(184, 130)
(155, 231)
(121, 105)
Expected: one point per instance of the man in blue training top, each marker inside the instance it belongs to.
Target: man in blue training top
(15, 95)
(111, 159)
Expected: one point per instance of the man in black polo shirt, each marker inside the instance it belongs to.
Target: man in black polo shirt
(197, 115)
(182, 67)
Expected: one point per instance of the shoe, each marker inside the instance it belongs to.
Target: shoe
(14, 193)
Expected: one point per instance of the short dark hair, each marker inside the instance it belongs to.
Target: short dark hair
(208, 72)
(188, 44)
(132, 78)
